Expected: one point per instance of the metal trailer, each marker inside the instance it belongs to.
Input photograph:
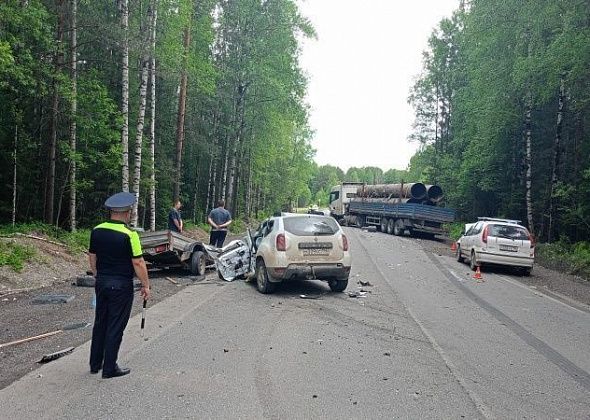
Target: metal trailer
(165, 248)
(396, 217)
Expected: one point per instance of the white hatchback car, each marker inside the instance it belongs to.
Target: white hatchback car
(298, 247)
(499, 242)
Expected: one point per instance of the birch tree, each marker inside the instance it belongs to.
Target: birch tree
(124, 12)
(145, 64)
(152, 185)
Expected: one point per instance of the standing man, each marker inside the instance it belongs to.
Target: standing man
(114, 255)
(174, 220)
(219, 219)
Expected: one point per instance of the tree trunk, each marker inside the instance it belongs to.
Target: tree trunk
(232, 170)
(529, 166)
(124, 10)
(50, 191)
(145, 64)
(556, 156)
(74, 110)
(153, 120)
(14, 179)
(181, 114)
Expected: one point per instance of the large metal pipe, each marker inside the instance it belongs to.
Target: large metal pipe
(412, 190)
(395, 200)
(435, 193)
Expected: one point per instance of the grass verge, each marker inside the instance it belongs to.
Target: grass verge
(15, 255)
(76, 242)
(564, 256)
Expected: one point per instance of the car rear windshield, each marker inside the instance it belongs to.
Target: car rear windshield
(509, 232)
(310, 226)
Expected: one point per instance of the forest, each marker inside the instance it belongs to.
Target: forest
(502, 107)
(168, 99)
(202, 100)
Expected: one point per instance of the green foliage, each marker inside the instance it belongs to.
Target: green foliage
(564, 256)
(481, 68)
(455, 230)
(76, 242)
(15, 255)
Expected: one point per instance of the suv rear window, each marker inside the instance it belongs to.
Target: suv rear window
(509, 232)
(310, 226)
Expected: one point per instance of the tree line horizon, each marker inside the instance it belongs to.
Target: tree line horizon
(205, 100)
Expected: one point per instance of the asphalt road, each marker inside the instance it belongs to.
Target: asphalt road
(427, 341)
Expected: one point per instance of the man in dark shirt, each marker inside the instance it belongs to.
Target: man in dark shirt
(174, 220)
(219, 219)
(114, 255)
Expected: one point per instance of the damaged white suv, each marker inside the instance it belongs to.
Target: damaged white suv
(299, 247)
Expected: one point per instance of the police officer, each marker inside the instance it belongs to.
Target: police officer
(114, 255)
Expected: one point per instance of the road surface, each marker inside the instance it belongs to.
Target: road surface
(427, 341)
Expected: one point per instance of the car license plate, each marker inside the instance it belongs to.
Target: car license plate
(509, 248)
(315, 251)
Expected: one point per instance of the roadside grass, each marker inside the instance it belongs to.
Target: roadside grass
(15, 255)
(76, 242)
(565, 256)
(455, 230)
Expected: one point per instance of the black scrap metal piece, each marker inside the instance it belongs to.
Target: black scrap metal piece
(85, 281)
(56, 355)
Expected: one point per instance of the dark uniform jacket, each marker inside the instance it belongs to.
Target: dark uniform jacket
(114, 245)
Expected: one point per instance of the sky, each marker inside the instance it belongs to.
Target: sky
(361, 68)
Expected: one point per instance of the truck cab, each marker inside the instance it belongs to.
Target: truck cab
(340, 196)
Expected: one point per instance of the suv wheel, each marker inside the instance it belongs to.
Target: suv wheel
(459, 256)
(472, 261)
(337, 285)
(263, 283)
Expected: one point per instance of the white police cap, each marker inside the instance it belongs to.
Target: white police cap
(120, 202)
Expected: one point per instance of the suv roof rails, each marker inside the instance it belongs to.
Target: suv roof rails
(492, 219)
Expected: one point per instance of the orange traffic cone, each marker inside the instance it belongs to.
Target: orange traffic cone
(454, 246)
(477, 275)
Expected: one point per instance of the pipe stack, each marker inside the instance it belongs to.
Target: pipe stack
(415, 192)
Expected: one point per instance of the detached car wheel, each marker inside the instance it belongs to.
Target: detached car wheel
(459, 256)
(337, 285)
(198, 263)
(263, 283)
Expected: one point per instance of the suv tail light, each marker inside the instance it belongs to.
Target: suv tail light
(484, 235)
(281, 242)
(344, 243)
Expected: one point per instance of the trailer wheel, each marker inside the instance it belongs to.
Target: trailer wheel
(198, 263)
(398, 228)
(360, 220)
(390, 225)
(384, 222)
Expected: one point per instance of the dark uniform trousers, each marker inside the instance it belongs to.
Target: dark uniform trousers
(114, 300)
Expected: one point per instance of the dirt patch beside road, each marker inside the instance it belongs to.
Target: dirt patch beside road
(22, 319)
(570, 286)
(53, 271)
